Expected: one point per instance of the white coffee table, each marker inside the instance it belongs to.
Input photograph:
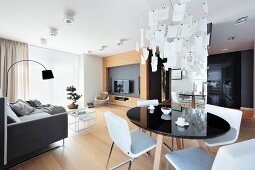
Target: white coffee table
(82, 114)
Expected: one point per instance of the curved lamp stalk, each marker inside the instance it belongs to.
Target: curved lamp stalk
(46, 74)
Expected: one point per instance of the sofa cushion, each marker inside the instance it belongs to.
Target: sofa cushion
(21, 108)
(11, 116)
(34, 103)
(34, 116)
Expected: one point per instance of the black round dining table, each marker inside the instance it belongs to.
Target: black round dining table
(202, 125)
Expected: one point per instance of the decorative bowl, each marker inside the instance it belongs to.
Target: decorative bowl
(166, 110)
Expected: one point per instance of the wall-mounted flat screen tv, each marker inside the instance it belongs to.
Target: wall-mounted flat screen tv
(122, 86)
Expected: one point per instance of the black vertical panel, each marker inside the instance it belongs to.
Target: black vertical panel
(2, 130)
(155, 80)
(247, 62)
(224, 80)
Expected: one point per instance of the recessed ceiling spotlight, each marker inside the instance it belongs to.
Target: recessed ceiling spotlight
(225, 49)
(241, 20)
(102, 48)
(119, 42)
(53, 32)
(43, 41)
(69, 17)
(232, 38)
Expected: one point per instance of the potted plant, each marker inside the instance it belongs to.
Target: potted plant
(72, 95)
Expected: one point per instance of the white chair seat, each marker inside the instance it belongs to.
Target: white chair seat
(191, 159)
(238, 156)
(141, 143)
(223, 139)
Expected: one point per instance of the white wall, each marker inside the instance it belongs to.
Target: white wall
(93, 77)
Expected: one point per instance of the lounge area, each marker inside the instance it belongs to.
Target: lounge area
(134, 85)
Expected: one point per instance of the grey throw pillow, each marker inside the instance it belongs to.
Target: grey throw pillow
(11, 116)
(34, 103)
(21, 108)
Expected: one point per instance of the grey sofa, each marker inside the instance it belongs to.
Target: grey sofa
(33, 133)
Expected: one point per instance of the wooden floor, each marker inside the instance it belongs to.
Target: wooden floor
(89, 152)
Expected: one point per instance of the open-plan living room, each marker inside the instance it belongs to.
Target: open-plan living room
(127, 84)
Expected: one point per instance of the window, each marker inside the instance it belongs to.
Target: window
(65, 68)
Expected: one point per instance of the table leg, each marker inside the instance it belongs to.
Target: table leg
(203, 146)
(193, 104)
(156, 164)
(178, 143)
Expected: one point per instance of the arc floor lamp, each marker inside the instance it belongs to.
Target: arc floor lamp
(46, 74)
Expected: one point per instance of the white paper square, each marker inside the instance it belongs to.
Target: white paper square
(184, 31)
(145, 53)
(159, 37)
(179, 44)
(188, 19)
(203, 24)
(172, 31)
(205, 7)
(184, 1)
(153, 17)
(179, 12)
(163, 14)
(207, 40)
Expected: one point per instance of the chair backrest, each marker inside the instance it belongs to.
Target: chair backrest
(119, 131)
(174, 97)
(145, 103)
(232, 116)
(102, 96)
(236, 156)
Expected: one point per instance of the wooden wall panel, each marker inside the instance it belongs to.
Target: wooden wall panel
(128, 58)
(132, 57)
(132, 102)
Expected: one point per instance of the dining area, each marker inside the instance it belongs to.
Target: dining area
(210, 127)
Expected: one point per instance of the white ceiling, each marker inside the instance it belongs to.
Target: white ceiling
(103, 22)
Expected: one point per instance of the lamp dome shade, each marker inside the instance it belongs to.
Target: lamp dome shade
(47, 74)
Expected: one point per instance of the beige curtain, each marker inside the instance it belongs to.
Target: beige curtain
(18, 82)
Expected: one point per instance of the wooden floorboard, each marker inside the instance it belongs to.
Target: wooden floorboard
(89, 152)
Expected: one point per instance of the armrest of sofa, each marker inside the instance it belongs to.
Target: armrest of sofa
(29, 136)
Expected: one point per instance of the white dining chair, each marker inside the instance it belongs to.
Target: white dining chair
(145, 103)
(233, 117)
(132, 143)
(176, 100)
(238, 156)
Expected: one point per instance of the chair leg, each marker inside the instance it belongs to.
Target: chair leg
(109, 155)
(130, 164)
